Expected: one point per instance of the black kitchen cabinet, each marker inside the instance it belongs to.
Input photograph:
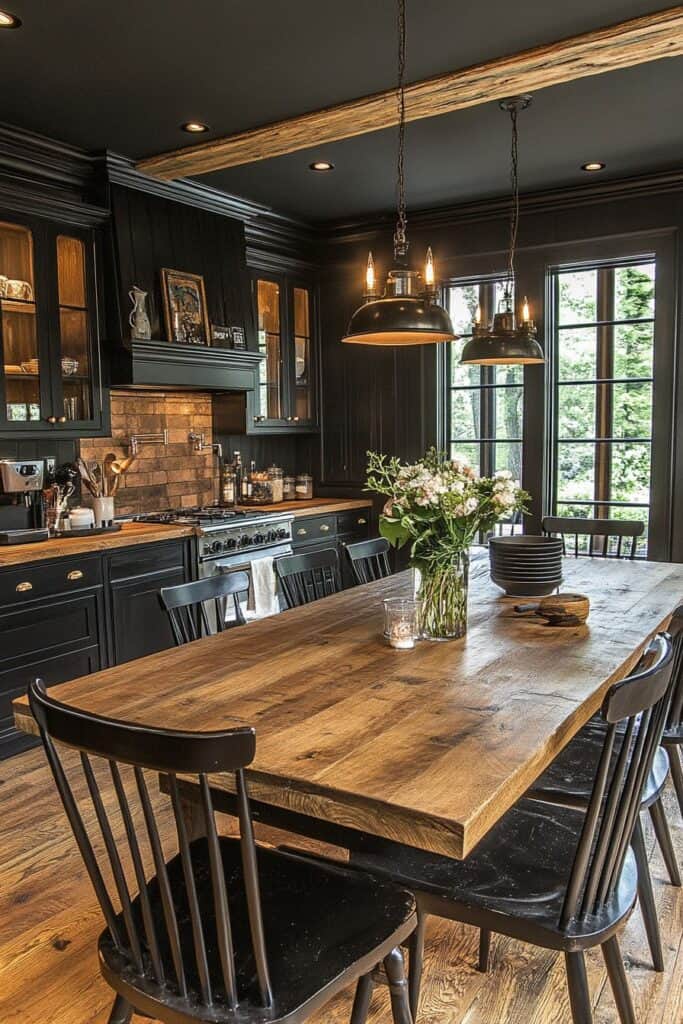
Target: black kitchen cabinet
(52, 625)
(73, 616)
(139, 624)
(51, 372)
(285, 312)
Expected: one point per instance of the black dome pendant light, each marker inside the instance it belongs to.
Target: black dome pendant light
(407, 313)
(503, 342)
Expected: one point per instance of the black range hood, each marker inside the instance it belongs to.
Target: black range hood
(164, 364)
(149, 233)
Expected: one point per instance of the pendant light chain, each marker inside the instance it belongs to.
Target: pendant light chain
(514, 211)
(400, 239)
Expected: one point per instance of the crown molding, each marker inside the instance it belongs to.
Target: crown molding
(547, 201)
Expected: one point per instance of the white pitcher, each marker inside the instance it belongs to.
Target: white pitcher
(138, 319)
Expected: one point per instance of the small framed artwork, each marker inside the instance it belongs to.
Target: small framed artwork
(221, 336)
(239, 338)
(185, 313)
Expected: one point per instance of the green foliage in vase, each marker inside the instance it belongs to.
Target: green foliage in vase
(439, 505)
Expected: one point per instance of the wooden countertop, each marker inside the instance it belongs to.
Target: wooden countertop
(148, 533)
(313, 506)
(429, 747)
(129, 534)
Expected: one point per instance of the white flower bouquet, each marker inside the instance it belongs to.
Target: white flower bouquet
(439, 506)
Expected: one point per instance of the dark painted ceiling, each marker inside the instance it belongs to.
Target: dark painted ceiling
(123, 76)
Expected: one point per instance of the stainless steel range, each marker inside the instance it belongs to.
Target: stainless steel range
(230, 539)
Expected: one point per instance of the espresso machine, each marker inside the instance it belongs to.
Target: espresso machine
(22, 509)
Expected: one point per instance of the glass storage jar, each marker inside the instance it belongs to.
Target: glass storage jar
(289, 488)
(304, 487)
(276, 477)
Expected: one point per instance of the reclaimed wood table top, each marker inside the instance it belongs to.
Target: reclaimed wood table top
(430, 746)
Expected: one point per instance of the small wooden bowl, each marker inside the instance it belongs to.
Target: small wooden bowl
(564, 609)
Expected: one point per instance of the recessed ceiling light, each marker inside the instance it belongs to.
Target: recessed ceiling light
(321, 165)
(8, 20)
(194, 127)
(593, 165)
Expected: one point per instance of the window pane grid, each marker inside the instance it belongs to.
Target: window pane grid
(603, 381)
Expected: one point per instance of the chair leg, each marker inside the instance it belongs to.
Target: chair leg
(663, 834)
(121, 1012)
(579, 993)
(416, 947)
(677, 773)
(361, 1002)
(398, 987)
(618, 980)
(646, 898)
(484, 950)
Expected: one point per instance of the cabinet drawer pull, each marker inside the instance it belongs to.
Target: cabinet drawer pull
(22, 588)
(361, 521)
(324, 528)
(301, 532)
(52, 419)
(75, 574)
(61, 419)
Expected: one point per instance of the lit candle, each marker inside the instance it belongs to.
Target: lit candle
(401, 635)
(429, 269)
(477, 315)
(525, 311)
(370, 275)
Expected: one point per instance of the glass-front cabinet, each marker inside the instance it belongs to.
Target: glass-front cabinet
(50, 377)
(285, 321)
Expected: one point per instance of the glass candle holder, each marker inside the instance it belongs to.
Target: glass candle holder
(400, 622)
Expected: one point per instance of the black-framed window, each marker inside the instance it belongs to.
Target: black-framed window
(485, 404)
(603, 330)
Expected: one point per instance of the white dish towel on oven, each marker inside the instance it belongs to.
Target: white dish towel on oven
(263, 590)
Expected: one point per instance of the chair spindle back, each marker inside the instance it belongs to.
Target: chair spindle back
(603, 529)
(187, 605)
(187, 947)
(308, 577)
(369, 559)
(635, 710)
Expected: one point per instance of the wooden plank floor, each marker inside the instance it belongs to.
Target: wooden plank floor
(49, 924)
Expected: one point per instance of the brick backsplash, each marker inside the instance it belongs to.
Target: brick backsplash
(163, 476)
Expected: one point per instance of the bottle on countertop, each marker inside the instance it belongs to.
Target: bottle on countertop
(229, 493)
(238, 471)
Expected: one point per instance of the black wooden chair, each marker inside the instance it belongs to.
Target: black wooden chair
(569, 778)
(308, 577)
(672, 740)
(187, 604)
(554, 876)
(225, 930)
(604, 529)
(369, 559)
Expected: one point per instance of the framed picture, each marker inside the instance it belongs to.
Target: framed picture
(185, 313)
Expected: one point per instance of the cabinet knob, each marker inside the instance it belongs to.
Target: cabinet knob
(361, 521)
(324, 528)
(52, 419)
(301, 532)
(295, 418)
(61, 419)
(22, 588)
(259, 419)
(75, 574)
(289, 419)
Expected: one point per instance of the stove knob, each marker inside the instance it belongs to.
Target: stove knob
(231, 542)
(206, 549)
(216, 546)
(281, 534)
(245, 540)
(271, 536)
(259, 538)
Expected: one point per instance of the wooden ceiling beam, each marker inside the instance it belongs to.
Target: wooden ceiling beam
(637, 41)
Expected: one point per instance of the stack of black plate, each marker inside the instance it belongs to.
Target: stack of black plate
(527, 566)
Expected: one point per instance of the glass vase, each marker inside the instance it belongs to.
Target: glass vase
(441, 592)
